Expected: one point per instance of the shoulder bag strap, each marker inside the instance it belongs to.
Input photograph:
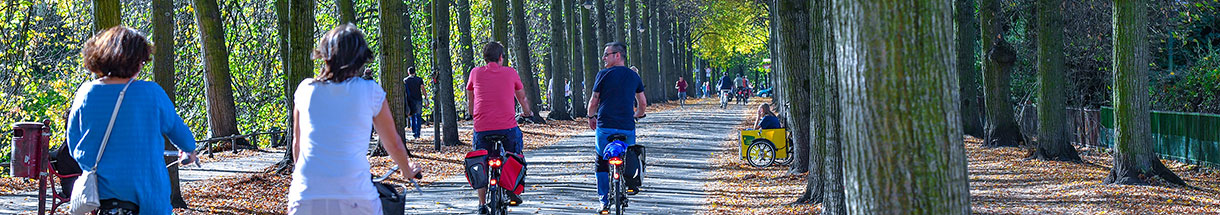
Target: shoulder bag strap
(109, 127)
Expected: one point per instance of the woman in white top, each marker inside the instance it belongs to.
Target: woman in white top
(330, 138)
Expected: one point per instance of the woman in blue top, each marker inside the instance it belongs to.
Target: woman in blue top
(766, 118)
(132, 168)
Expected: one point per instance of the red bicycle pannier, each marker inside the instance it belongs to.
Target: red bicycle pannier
(512, 173)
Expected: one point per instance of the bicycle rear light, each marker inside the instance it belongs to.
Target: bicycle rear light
(616, 161)
(493, 182)
(494, 162)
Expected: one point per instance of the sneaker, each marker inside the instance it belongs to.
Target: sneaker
(483, 209)
(605, 208)
(513, 199)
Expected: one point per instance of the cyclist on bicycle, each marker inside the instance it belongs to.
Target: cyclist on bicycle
(616, 90)
(726, 89)
(492, 88)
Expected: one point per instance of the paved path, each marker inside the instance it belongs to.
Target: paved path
(561, 181)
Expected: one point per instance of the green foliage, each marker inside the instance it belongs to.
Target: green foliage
(731, 32)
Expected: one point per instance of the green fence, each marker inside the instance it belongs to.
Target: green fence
(1187, 137)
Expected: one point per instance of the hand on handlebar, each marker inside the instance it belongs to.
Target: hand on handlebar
(413, 170)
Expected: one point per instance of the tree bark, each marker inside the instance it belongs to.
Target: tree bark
(559, 64)
(968, 73)
(814, 15)
(396, 55)
(499, 22)
(664, 31)
(620, 20)
(578, 62)
(347, 11)
(1000, 128)
(1054, 140)
(604, 33)
(902, 144)
(651, 71)
(825, 66)
(590, 50)
(106, 14)
(444, 70)
(794, 48)
(465, 41)
(637, 56)
(222, 115)
(525, 67)
(163, 74)
(1135, 161)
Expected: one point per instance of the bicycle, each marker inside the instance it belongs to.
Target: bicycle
(394, 202)
(500, 165)
(616, 153)
(725, 96)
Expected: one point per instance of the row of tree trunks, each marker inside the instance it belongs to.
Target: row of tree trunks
(559, 64)
(651, 63)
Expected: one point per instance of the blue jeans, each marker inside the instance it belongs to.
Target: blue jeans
(415, 118)
(682, 97)
(603, 178)
(514, 143)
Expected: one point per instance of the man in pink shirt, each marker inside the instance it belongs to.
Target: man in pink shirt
(491, 90)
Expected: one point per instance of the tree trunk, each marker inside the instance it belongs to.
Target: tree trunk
(499, 22)
(465, 41)
(620, 19)
(444, 70)
(589, 46)
(604, 33)
(222, 115)
(968, 73)
(1054, 140)
(825, 66)
(1135, 161)
(347, 11)
(637, 56)
(525, 67)
(1000, 128)
(163, 73)
(794, 49)
(559, 64)
(296, 26)
(664, 28)
(777, 68)
(906, 155)
(396, 55)
(813, 15)
(576, 50)
(106, 14)
(651, 70)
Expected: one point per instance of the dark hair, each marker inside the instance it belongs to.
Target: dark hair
(492, 51)
(411, 70)
(767, 109)
(343, 51)
(617, 47)
(116, 52)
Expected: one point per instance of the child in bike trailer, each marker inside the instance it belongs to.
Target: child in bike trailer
(493, 89)
(616, 90)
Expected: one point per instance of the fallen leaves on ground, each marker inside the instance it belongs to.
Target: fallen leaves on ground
(735, 187)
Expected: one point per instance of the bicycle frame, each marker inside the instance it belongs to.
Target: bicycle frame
(497, 198)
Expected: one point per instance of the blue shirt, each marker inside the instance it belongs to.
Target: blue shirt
(132, 168)
(726, 83)
(617, 87)
(769, 122)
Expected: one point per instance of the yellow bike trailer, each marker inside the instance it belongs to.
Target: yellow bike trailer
(762, 148)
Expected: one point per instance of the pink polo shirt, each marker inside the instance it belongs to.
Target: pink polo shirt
(493, 87)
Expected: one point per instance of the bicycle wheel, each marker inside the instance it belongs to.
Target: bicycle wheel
(760, 154)
(620, 191)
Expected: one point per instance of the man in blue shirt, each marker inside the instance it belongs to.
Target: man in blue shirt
(726, 89)
(616, 90)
